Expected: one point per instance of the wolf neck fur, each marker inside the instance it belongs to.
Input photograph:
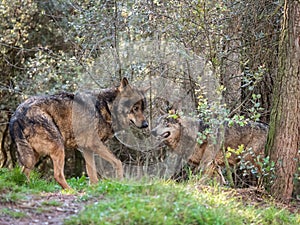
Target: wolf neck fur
(105, 101)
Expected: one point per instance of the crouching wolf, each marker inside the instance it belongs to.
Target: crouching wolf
(173, 133)
(47, 125)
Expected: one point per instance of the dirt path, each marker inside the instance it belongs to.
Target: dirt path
(47, 208)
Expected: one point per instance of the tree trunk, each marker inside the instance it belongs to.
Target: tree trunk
(284, 135)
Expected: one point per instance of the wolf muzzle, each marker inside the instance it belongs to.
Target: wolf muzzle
(144, 124)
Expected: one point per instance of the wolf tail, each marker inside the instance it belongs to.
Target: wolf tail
(25, 152)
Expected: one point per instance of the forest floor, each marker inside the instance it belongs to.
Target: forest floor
(134, 202)
(54, 208)
(45, 208)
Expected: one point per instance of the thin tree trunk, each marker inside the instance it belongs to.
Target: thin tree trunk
(3, 151)
(284, 135)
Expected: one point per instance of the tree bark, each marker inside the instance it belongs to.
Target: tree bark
(284, 134)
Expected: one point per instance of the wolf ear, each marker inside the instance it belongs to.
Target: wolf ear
(124, 84)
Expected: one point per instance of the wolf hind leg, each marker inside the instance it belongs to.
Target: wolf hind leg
(27, 158)
(26, 171)
(58, 159)
(56, 151)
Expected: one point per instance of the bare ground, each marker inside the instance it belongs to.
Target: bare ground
(46, 208)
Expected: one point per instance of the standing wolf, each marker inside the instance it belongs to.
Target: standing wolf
(47, 125)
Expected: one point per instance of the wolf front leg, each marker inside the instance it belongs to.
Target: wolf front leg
(90, 165)
(103, 151)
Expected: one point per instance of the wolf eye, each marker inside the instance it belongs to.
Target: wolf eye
(166, 124)
(135, 108)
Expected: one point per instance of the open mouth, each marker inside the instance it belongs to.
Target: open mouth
(166, 134)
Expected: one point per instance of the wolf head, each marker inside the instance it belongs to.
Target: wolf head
(168, 131)
(128, 108)
(179, 134)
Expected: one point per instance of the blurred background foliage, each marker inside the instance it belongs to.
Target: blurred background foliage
(52, 46)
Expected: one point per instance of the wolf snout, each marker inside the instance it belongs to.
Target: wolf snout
(161, 134)
(144, 124)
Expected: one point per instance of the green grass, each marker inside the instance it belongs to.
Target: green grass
(14, 185)
(171, 203)
(51, 203)
(13, 213)
(14, 182)
(158, 202)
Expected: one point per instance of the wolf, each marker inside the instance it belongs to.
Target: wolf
(173, 132)
(46, 125)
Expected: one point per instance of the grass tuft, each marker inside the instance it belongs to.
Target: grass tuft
(13, 213)
(14, 184)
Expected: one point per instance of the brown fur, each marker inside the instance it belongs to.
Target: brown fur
(49, 124)
(252, 135)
